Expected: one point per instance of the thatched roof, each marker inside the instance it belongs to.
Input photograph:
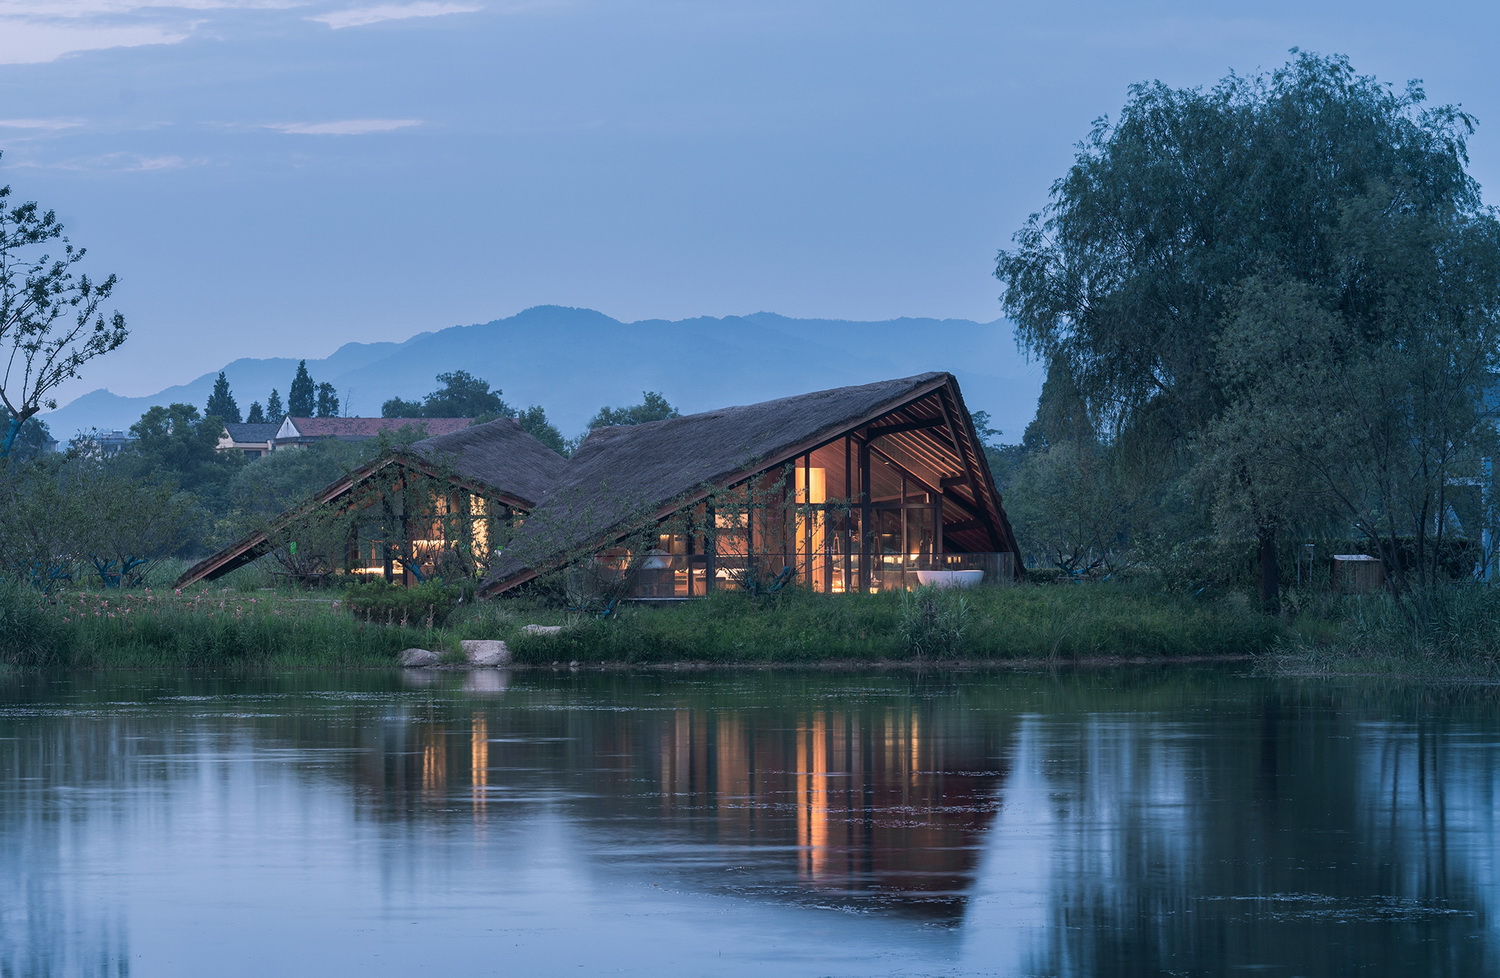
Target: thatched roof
(624, 479)
(499, 455)
(358, 429)
(621, 478)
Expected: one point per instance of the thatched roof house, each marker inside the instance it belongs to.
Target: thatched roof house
(932, 473)
(497, 462)
(858, 488)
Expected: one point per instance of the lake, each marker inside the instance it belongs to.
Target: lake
(1183, 821)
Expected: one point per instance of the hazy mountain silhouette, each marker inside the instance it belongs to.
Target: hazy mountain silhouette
(574, 361)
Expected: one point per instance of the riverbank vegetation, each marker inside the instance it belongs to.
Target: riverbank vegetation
(226, 627)
(251, 625)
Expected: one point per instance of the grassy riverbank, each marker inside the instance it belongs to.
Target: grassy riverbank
(1451, 633)
(226, 628)
(146, 629)
(989, 624)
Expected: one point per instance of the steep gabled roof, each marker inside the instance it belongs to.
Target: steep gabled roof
(498, 458)
(370, 427)
(499, 455)
(622, 478)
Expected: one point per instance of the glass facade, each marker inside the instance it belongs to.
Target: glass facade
(849, 515)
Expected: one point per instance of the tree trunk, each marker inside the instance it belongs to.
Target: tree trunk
(10, 436)
(1270, 570)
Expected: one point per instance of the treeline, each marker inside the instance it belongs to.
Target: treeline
(305, 399)
(107, 515)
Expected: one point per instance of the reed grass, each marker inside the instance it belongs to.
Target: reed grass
(206, 629)
(1000, 623)
(226, 627)
(1447, 632)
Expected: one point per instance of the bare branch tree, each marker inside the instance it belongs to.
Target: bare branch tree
(49, 312)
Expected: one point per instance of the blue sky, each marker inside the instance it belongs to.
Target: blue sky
(279, 177)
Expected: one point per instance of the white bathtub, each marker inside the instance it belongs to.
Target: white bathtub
(950, 578)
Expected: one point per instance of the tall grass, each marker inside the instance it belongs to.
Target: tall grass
(30, 634)
(215, 628)
(207, 629)
(1447, 631)
(984, 624)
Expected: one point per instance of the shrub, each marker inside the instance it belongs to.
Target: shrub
(390, 604)
(933, 621)
(29, 634)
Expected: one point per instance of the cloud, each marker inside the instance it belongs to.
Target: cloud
(361, 16)
(50, 125)
(117, 163)
(344, 127)
(47, 10)
(38, 31)
(24, 41)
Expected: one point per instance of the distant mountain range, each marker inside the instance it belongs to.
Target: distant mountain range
(574, 361)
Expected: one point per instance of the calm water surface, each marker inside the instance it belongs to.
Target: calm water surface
(1178, 822)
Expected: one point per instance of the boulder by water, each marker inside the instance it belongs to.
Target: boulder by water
(486, 652)
(418, 658)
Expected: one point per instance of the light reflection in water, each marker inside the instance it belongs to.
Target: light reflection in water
(1118, 823)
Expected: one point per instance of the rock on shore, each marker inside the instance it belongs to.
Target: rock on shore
(418, 658)
(486, 652)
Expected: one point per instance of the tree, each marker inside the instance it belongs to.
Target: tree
(275, 413)
(1075, 509)
(127, 524)
(49, 315)
(221, 403)
(255, 415)
(71, 516)
(653, 407)
(462, 395)
(33, 438)
(177, 442)
(39, 537)
(534, 421)
(1136, 280)
(301, 399)
(398, 407)
(328, 401)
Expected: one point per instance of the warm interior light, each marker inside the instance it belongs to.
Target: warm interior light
(812, 485)
(480, 525)
(812, 490)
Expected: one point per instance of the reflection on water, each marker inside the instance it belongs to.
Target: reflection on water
(1121, 823)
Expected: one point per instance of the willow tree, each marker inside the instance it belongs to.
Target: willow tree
(1353, 198)
(50, 319)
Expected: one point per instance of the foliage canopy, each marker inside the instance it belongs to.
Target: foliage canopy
(1282, 291)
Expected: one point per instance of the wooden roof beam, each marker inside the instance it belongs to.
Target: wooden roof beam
(880, 430)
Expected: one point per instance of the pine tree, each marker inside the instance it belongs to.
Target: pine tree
(274, 411)
(301, 400)
(255, 415)
(328, 401)
(221, 402)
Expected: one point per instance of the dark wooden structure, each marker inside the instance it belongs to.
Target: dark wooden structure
(854, 489)
(874, 487)
(444, 504)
